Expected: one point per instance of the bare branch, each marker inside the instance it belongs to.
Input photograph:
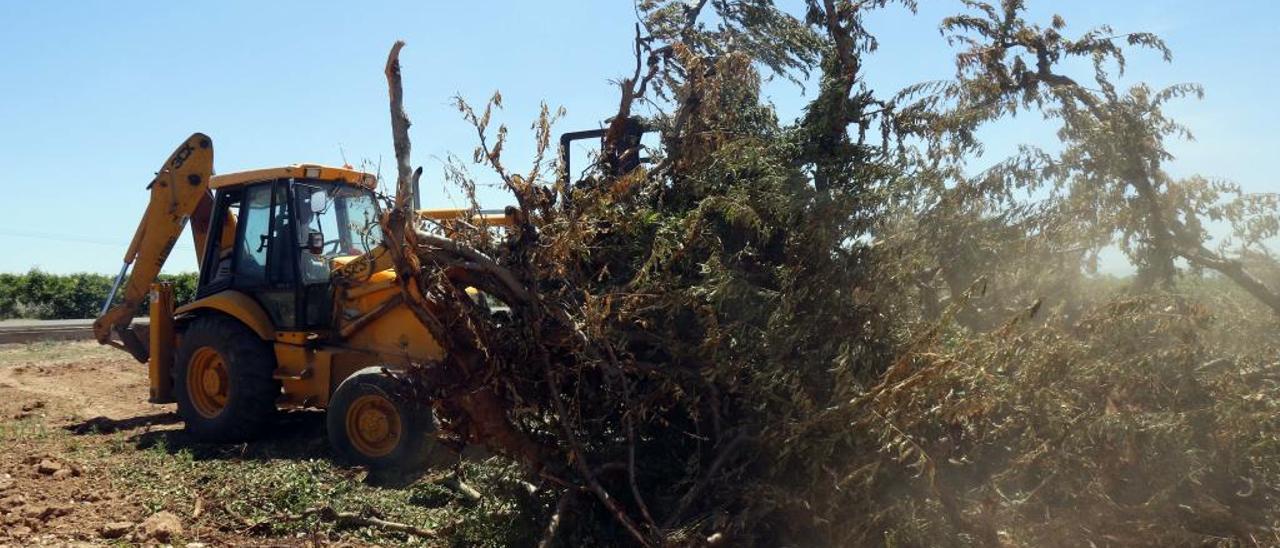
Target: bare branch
(406, 178)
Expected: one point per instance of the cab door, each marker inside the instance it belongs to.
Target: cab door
(265, 259)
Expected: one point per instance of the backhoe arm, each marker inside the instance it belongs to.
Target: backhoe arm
(179, 193)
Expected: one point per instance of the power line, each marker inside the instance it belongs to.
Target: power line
(72, 238)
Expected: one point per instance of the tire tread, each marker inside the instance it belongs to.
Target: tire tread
(252, 404)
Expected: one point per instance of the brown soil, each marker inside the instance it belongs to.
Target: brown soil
(84, 459)
(81, 378)
(55, 488)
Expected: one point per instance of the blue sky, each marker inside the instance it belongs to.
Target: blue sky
(93, 97)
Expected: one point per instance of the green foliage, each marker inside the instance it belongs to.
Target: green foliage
(44, 296)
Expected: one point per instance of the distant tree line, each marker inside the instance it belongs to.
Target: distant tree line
(44, 296)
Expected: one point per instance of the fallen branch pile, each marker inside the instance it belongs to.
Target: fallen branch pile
(742, 341)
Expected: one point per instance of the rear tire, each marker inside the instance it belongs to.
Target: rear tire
(222, 379)
(371, 424)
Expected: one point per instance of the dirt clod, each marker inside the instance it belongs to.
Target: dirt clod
(12, 501)
(49, 467)
(162, 526)
(28, 410)
(44, 513)
(60, 509)
(115, 529)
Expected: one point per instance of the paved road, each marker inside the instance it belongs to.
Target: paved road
(21, 331)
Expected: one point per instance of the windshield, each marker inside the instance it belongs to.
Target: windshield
(344, 218)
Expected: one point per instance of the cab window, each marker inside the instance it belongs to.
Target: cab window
(265, 258)
(342, 218)
(255, 239)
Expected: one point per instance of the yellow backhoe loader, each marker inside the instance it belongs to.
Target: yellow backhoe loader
(295, 306)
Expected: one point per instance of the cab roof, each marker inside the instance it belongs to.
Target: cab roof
(307, 171)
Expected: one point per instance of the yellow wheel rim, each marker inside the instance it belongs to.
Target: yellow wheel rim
(373, 425)
(208, 382)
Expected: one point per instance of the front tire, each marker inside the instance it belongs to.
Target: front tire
(222, 379)
(371, 425)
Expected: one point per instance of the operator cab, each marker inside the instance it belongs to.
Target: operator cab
(274, 234)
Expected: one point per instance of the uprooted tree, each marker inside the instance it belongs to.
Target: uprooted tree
(715, 346)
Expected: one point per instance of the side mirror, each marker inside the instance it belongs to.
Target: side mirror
(315, 243)
(319, 201)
